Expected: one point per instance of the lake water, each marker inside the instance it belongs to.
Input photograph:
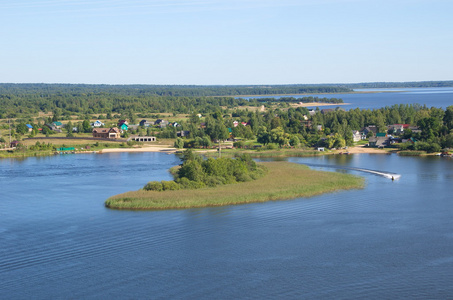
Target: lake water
(431, 97)
(391, 240)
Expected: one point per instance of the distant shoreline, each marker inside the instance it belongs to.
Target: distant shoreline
(309, 94)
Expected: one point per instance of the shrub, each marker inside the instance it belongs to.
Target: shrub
(243, 177)
(190, 185)
(214, 181)
(153, 186)
(179, 143)
(272, 146)
(170, 185)
(239, 144)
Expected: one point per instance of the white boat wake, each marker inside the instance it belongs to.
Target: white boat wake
(388, 175)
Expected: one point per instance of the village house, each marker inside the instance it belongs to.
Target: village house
(106, 133)
(398, 129)
(58, 125)
(357, 136)
(123, 127)
(145, 123)
(380, 140)
(370, 128)
(415, 129)
(121, 122)
(161, 123)
(182, 133)
(97, 124)
(30, 128)
(54, 127)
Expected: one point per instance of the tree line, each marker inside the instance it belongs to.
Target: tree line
(333, 128)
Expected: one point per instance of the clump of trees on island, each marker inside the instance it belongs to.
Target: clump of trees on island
(195, 172)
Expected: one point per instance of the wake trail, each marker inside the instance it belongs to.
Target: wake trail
(389, 175)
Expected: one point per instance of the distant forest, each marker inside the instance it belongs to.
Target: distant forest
(166, 90)
(412, 84)
(21, 100)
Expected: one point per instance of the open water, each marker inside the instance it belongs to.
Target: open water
(377, 98)
(391, 240)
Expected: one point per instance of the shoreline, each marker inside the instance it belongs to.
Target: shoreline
(142, 149)
(171, 150)
(317, 104)
(309, 94)
(351, 150)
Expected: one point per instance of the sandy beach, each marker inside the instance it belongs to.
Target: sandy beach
(143, 149)
(311, 104)
(168, 149)
(363, 149)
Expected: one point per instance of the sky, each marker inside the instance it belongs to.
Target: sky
(223, 42)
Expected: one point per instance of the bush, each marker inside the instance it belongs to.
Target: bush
(179, 143)
(213, 181)
(239, 144)
(190, 185)
(272, 147)
(170, 185)
(243, 177)
(153, 186)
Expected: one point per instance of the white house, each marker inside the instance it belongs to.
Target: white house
(97, 124)
(357, 136)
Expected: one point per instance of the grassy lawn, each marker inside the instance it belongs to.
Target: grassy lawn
(283, 181)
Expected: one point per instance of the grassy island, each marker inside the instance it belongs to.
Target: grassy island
(282, 181)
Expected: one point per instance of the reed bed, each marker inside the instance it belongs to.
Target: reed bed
(267, 153)
(283, 181)
(411, 153)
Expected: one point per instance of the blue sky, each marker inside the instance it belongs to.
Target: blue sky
(225, 42)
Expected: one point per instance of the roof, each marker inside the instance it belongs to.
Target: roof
(101, 130)
(105, 130)
(56, 123)
(29, 126)
(381, 134)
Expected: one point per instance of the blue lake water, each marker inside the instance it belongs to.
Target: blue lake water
(391, 240)
(431, 97)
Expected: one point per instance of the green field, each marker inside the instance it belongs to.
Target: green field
(283, 181)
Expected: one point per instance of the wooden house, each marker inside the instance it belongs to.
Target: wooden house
(106, 133)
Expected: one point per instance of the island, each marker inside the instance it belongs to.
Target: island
(279, 181)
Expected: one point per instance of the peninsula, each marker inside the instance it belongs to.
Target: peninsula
(282, 181)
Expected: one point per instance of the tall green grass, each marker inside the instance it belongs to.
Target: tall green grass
(266, 153)
(411, 153)
(283, 181)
